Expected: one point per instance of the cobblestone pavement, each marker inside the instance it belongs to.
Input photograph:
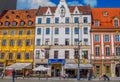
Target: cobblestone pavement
(8, 79)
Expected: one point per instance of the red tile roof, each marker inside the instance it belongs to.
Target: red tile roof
(105, 21)
(83, 9)
(18, 16)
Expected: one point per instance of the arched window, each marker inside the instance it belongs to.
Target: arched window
(22, 23)
(14, 23)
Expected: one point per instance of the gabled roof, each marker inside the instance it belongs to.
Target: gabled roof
(18, 16)
(83, 9)
(105, 21)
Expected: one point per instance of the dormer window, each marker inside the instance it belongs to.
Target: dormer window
(6, 23)
(7, 17)
(17, 17)
(96, 23)
(116, 22)
(28, 16)
(30, 23)
(22, 23)
(105, 13)
(62, 11)
(14, 23)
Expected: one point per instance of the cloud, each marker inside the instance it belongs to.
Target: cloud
(73, 3)
(93, 3)
(25, 4)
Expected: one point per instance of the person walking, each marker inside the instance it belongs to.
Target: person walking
(2, 74)
(88, 76)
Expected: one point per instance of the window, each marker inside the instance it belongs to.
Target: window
(76, 30)
(67, 30)
(107, 51)
(76, 41)
(27, 56)
(30, 23)
(97, 51)
(2, 56)
(106, 38)
(117, 38)
(56, 30)
(19, 42)
(38, 42)
(105, 13)
(14, 23)
(47, 30)
(20, 32)
(56, 41)
(3, 42)
(38, 31)
(22, 23)
(56, 20)
(46, 54)
(6, 23)
(48, 20)
(5, 32)
(96, 23)
(85, 54)
(12, 32)
(85, 20)
(115, 22)
(11, 42)
(85, 30)
(76, 53)
(117, 51)
(67, 20)
(10, 56)
(66, 54)
(28, 42)
(97, 38)
(66, 41)
(85, 41)
(39, 20)
(28, 32)
(76, 20)
(18, 55)
(37, 54)
(55, 54)
(47, 41)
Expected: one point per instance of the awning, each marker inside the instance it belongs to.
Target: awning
(70, 61)
(75, 66)
(19, 66)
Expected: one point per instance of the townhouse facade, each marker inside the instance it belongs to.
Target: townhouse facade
(56, 38)
(105, 39)
(16, 37)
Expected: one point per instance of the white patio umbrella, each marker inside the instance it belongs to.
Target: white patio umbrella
(41, 68)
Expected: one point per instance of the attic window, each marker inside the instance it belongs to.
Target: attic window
(13, 12)
(14, 23)
(17, 17)
(28, 16)
(115, 22)
(105, 13)
(22, 23)
(7, 23)
(7, 17)
(48, 13)
(27, 12)
(76, 12)
(96, 23)
(30, 23)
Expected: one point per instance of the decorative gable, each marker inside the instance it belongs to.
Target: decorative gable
(76, 11)
(48, 12)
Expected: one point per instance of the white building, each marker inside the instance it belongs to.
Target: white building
(56, 37)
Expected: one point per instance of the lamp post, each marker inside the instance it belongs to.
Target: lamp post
(78, 75)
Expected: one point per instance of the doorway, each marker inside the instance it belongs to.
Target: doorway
(56, 69)
(117, 70)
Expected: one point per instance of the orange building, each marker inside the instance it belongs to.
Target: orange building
(17, 29)
(105, 38)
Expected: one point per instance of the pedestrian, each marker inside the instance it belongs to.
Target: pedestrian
(2, 74)
(104, 77)
(88, 76)
(13, 75)
(64, 76)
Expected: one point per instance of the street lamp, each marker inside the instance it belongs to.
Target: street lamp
(79, 43)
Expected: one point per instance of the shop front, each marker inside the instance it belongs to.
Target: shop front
(56, 66)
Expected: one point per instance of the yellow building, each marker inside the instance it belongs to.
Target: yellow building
(17, 29)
